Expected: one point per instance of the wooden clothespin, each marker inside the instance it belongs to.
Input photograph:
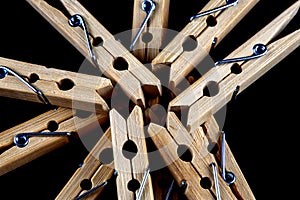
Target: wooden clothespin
(54, 86)
(225, 77)
(198, 37)
(188, 159)
(240, 186)
(130, 156)
(112, 58)
(90, 179)
(150, 18)
(61, 120)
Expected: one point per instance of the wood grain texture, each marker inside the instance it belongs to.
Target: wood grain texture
(201, 157)
(147, 51)
(130, 165)
(61, 88)
(181, 170)
(134, 80)
(13, 157)
(251, 71)
(92, 169)
(226, 21)
(240, 187)
(216, 74)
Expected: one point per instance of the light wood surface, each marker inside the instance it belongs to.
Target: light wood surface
(62, 88)
(134, 80)
(225, 81)
(130, 168)
(92, 169)
(183, 62)
(251, 72)
(180, 170)
(146, 52)
(240, 187)
(13, 157)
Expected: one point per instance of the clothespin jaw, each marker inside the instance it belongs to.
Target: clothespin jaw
(148, 34)
(112, 58)
(95, 172)
(194, 43)
(130, 156)
(57, 87)
(60, 120)
(188, 159)
(226, 77)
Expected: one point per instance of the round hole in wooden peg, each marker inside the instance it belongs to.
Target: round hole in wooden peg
(211, 21)
(147, 37)
(52, 126)
(133, 185)
(106, 156)
(33, 78)
(120, 64)
(97, 41)
(129, 149)
(211, 89)
(205, 183)
(190, 43)
(184, 153)
(65, 84)
(236, 68)
(86, 184)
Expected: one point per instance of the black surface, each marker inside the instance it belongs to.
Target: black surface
(262, 131)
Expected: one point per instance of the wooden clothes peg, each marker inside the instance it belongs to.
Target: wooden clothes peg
(226, 77)
(61, 88)
(89, 180)
(130, 156)
(112, 58)
(188, 161)
(240, 186)
(151, 36)
(60, 120)
(195, 41)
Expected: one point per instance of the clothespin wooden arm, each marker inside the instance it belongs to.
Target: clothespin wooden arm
(60, 87)
(131, 166)
(240, 187)
(173, 50)
(93, 170)
(146, 51)
(207, 40)
(115, 48)
(201, 157)
(182, 171)
(226, 20)
(251, 71)
(61, 120)
(218, 73)
(108, 56)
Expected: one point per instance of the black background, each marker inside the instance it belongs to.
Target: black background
(262, 131)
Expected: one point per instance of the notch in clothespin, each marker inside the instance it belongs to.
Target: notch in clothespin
(26, 142)
(55, 87)
(150, 18)
(130, 156)
(96, 172)
(194, 43)
(110, 56)
(188, 159)
(224, 78)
